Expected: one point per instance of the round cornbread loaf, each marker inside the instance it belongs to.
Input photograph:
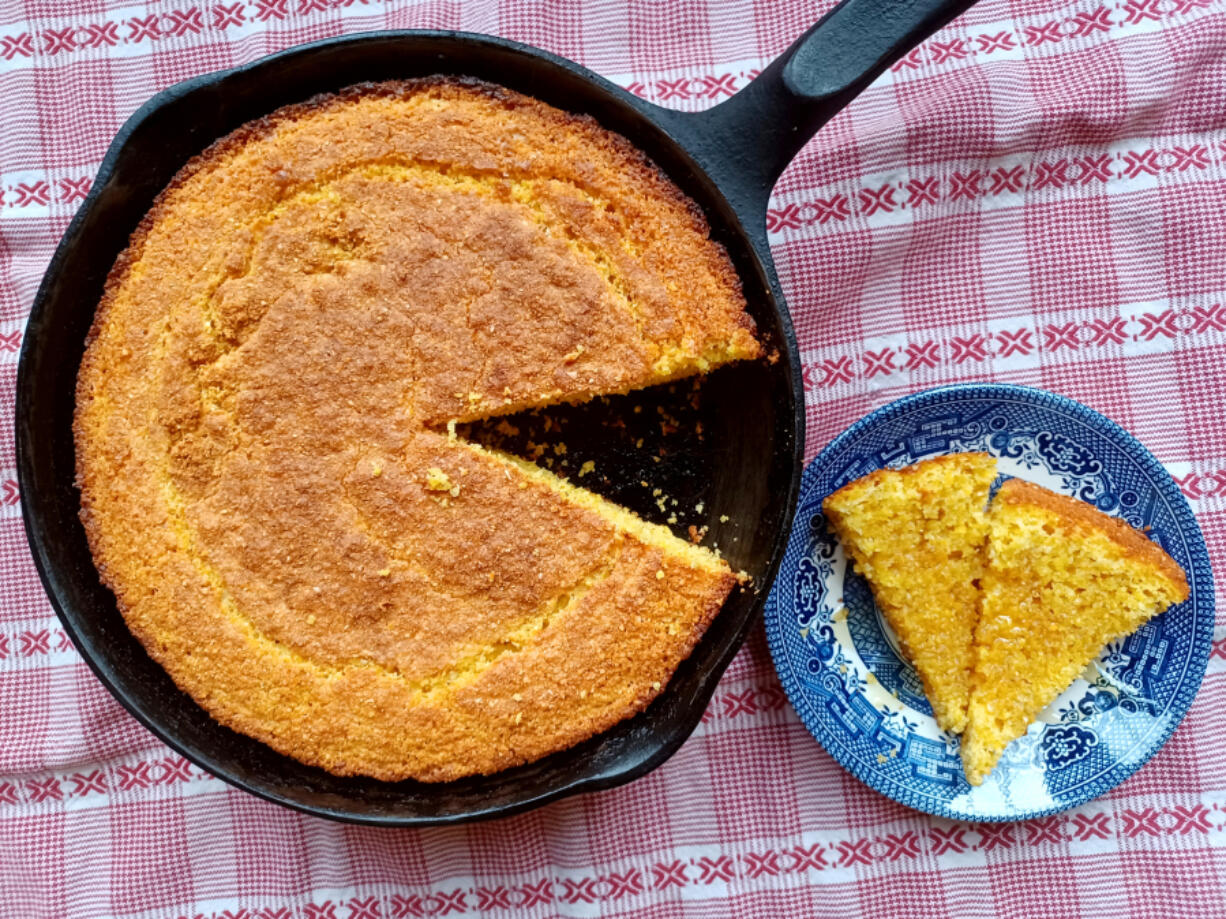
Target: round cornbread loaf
(268, 482)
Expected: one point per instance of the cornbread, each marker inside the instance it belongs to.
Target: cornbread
(270, 480)
(1062, 580)
(917, 536)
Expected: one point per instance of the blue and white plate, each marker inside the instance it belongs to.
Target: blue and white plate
(860, 697)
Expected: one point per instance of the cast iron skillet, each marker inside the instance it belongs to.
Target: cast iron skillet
(746, 466)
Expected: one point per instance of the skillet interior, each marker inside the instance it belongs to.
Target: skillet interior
(745, 466)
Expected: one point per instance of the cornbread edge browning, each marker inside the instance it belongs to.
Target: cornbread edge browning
(277, 577)
(1135, 545)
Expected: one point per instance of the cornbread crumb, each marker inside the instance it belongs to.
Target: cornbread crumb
(917, 535)
(586, 468)
(437, 480)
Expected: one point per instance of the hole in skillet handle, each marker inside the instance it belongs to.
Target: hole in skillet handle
(754, 423)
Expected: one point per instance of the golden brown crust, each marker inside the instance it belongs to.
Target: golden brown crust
(923, 467)
(263, 483)
(1080, 514)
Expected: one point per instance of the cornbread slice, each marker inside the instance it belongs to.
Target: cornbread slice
(267, 479)
(1062, 580)
(917, 535)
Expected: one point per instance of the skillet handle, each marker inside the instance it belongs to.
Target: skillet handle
(747, 141)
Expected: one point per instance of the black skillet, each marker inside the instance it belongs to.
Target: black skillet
(745, 467)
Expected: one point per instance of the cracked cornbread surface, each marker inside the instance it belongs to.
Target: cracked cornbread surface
(268, 485)
(917, 535)
(1063, 579)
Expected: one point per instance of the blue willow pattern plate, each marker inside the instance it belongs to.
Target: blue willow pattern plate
(840, 664)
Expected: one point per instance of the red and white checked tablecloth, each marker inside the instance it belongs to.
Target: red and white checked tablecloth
(1037, 194)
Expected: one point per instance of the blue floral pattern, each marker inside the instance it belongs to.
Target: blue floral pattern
(1064, 455)
(1064, 745)
(854, 690)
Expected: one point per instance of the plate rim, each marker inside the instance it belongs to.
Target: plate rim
(1200, 580)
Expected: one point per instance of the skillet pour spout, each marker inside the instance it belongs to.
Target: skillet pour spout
(726, 159)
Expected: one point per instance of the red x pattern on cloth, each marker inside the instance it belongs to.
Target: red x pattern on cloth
(1034, 195)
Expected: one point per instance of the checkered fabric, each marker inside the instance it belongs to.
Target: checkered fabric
(1037, 194)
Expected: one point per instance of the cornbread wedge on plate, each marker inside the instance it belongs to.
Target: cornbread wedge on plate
(1062, 580)
(917, 535)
